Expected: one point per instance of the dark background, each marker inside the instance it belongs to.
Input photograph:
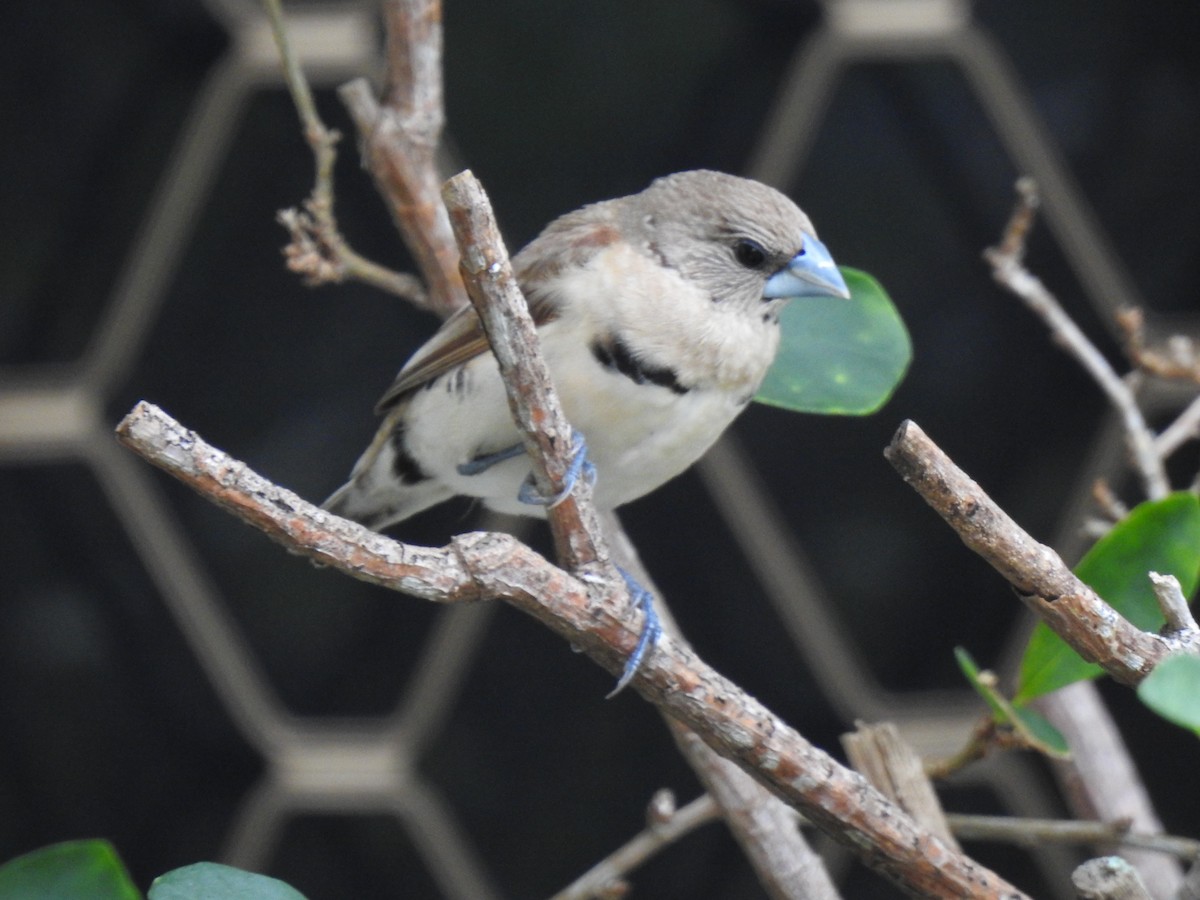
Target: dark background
(110, 728)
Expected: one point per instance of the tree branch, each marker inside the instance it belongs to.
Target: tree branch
(890, 763)
(762, 825)
(400, 142)
(483, 566)
(767, 831)
(1101, 778)
(548, 435)
(1073, 610)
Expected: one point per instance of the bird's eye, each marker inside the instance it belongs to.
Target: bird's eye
(749, 253)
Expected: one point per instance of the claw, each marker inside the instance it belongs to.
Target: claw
(580, 465)
(651, 631)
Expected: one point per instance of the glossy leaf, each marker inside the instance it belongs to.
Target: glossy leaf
(213, 881)
(75, 870)
(1173, 690)
(839, 357)
(1157, 536)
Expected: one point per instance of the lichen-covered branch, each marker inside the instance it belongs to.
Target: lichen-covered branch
(484, 566)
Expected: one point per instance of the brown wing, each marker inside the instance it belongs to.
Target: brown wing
(570, 240)
(459, 340)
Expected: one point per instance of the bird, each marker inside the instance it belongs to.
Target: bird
(658, 317)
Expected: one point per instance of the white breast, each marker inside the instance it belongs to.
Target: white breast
(638, 435)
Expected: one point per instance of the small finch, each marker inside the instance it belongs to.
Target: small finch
(658, 315)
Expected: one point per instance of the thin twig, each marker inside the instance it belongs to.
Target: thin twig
(1008, 269)
(484, 566)
(1186, 427)
(663, 831)
(1035, 832)
(1177, 359)
(321, 255)
(317, 250)
(1110, 504)
(1090, 626)
(1174, 606)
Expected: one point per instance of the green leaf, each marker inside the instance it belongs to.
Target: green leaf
(1173, 690)
(839, 357)
(1157, 536)
(75, 870)
(1040, 734)
(983, 686)
(213, 881)
(1029, 726)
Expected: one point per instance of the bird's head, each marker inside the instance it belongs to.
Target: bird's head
(741, 241)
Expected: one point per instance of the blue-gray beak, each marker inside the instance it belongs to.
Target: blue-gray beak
(811, 273)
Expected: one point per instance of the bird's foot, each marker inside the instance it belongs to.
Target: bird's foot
(580, 465)
(651, 631)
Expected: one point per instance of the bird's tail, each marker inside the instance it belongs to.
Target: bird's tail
(385, 487)
(380, 506)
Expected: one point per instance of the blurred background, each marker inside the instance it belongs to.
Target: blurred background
(172, 681)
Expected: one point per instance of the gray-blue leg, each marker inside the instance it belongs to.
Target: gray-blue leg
(481, 464)
(580, 465)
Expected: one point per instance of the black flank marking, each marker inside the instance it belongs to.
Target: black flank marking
(614, 354)
(404, 466)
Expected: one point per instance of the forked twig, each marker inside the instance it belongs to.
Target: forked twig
(317, 251)
(1008, 268)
